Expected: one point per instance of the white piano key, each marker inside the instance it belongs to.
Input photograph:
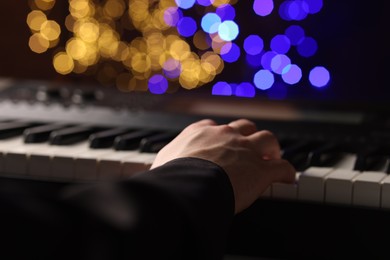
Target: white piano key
(339, 185)
(312, 184)
(110, 165)
(347, 162)
(132, 165)
(385, 193)
(40, 162)
(86, 164)
(62, 160)
(17, 158)
(367, 189)
(288, 191)
(5, 145)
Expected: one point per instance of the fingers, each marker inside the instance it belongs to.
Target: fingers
(281, 171)
(266, 144)
(243, 126)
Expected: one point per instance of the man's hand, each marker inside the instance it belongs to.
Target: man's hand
(251, 158)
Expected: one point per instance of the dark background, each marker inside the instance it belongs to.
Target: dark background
(16, 58)
(363, 86)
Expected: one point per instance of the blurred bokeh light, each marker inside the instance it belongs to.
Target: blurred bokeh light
(158, 46)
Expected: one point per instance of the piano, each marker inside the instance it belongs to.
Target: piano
(341, 196)
(56, 130)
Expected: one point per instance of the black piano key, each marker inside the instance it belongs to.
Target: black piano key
(131, 141)
(12, 129)
(387, 165)
(381, 163)
(48, 93)
(297, 153)
(71, 135)
(155, 143)
(40, 134)
(325, 156)
(369, 159)
(105, 139)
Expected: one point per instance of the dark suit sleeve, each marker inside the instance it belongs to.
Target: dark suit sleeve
(181, 210)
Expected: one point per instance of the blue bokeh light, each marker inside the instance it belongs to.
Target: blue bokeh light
(222, 88)
(186, 26)
(295, 33)
(205, 2)
(230, 52)
(319, 77)
(158, 84)
(172, 68)
(280, 44)
(292, 74)
(228, 30)
(185, 4)
(266, 59)
(172, 16)
(294, 10)
(210, 22)
(279, 62)
(245, 89)
(270, 60)
(264, 79)
(226, 12)
(315, 6)
(263, 7)
(253, 45)
(307, 47)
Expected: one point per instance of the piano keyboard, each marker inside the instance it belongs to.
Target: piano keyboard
(75, 153)
(96, 143)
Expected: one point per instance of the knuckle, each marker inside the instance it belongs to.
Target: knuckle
(268, 134)
(226, 129)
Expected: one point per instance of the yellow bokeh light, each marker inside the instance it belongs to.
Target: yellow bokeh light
(37, 43)
(217, 3)
(207, 72)
(158, 20)
(91, 57)
(76, 48)
(70, 23)
(180, 50)
(217, 43)
(214, 59)
(138, 10)
(35, 19)
(200, 40)
(108, 43)
(63, 63)
(50, 30)
(114, 8)
(44, 4)
(87, 31)
(54, 43)
(138, 84)
(81, 8)
(79, 68)
(100, 45)
(141, 62)
(121, 52)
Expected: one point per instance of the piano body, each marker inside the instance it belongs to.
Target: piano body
(339, 204)
(56, 130)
